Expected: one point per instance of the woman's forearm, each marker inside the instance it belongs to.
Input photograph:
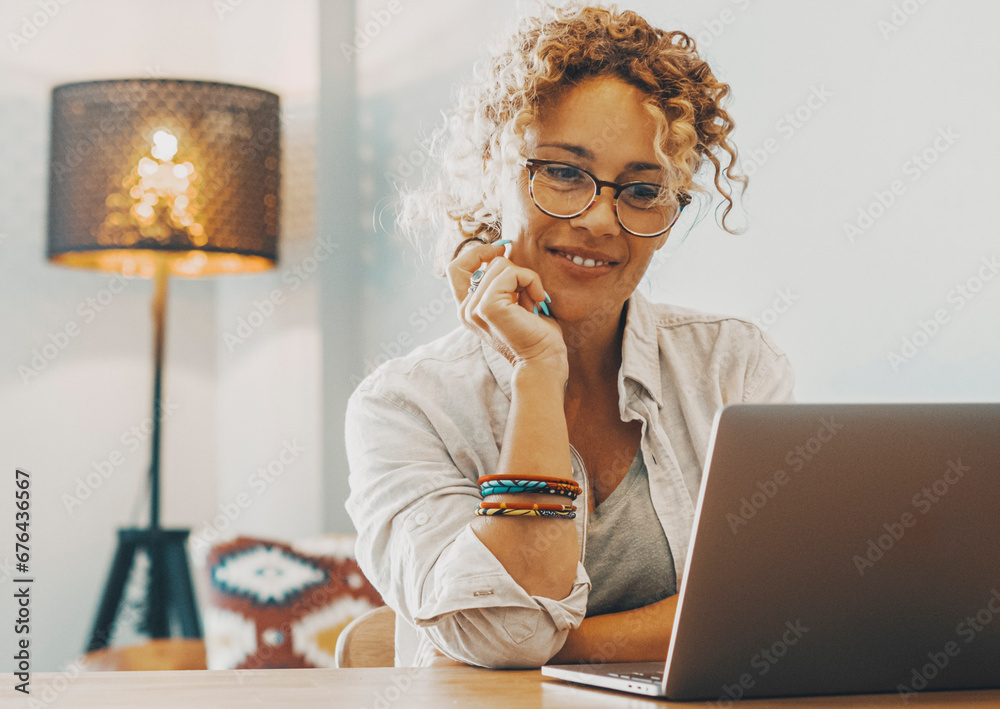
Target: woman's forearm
(540, 554)
(638, 635)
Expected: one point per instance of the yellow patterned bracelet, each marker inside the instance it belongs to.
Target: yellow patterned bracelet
(502, 511)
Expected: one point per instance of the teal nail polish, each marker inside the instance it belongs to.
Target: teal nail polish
(536, 310)
(548, 299)
(502, 242)
(545, 308)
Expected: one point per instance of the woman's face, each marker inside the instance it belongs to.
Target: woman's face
(601, 126)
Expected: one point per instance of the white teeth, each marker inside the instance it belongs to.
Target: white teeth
(580, 261)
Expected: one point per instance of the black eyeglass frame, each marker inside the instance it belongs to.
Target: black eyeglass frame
(532, 164)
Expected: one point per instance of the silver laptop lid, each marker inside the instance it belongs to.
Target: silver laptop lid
(843, 548)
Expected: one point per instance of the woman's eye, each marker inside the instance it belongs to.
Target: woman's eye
(643, 193)
(563, 173)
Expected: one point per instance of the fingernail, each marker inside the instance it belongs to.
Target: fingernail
(536, 310)
(502, 242)
(545, 308)
(547, 298)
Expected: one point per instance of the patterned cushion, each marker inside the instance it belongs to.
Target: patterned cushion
(273, 604)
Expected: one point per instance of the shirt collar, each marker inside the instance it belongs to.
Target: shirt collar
(640, 353)
(641, 348)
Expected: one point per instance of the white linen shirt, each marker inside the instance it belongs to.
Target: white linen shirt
(423, 428)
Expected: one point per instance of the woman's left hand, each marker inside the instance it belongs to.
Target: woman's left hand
(638, 635)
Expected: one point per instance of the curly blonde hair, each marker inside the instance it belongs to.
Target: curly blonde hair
(547, 54)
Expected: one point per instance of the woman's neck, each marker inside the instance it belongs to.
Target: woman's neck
(595, 359)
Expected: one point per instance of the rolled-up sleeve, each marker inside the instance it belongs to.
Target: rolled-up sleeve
(412, 508)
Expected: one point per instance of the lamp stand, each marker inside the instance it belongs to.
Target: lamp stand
(170, 590)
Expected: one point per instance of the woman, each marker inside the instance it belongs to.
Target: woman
(568, 162)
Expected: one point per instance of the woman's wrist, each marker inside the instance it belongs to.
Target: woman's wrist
(536, 440)
(551, 372)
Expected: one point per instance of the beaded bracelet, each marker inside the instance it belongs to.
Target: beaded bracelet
(500, 484)
(525, 513)
(524, 506)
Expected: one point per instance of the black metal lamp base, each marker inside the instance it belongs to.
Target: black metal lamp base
(170, 590)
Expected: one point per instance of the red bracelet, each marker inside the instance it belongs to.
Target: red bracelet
(522, 476)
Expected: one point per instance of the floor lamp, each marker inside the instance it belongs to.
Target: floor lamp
(156, 178)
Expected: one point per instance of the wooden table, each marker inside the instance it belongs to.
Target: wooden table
(391, 688)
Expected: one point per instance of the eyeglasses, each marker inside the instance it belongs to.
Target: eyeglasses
(566, 191)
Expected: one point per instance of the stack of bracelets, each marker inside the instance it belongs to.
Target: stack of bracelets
(507, 485)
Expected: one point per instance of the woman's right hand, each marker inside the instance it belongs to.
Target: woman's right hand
(501, 309)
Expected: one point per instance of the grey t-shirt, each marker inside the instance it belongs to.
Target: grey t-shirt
(628, 557)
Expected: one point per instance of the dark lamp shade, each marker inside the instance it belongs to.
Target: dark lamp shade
(184, 174)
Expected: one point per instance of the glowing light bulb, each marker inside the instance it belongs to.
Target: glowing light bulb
(164, 145)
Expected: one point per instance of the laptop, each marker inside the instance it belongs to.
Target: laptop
(837, 549)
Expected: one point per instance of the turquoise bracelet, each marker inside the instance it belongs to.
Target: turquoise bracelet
(513, 487)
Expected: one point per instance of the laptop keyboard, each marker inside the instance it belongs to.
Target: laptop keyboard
(655, 677)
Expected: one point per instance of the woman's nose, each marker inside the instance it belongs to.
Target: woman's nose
(600, 217)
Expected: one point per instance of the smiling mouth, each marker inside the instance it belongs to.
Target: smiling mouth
(580, 261)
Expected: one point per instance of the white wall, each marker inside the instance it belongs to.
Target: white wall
(236, 407)
(891, 92)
